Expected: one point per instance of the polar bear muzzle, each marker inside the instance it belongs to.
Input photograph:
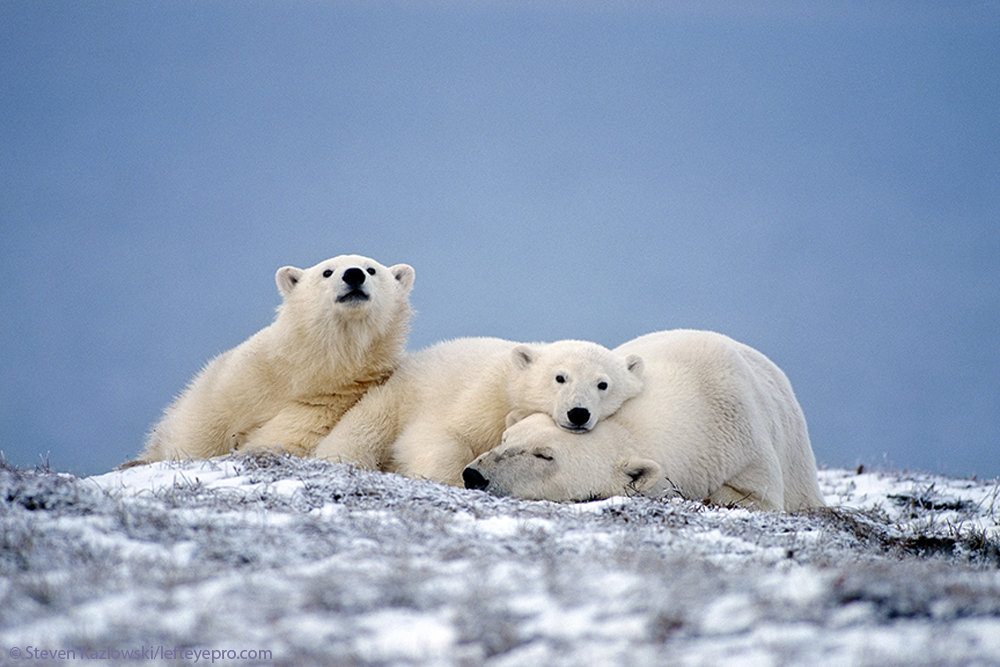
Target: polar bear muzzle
(474, 479)
(578, 417)
(354, 278)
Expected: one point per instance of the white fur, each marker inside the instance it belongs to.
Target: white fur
(289, 383)
(716, 420)
(446, 405)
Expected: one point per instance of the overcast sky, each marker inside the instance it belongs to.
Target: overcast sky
(820, 180)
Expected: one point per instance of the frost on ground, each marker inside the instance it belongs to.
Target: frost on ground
(322, 564)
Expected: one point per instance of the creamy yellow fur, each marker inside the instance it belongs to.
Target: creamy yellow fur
(291, 382)
(446, 405)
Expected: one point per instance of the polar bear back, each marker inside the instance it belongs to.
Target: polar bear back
(789, 433)
(725, 411)
(449, 377)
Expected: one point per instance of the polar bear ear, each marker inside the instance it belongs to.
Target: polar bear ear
(640, 474)
(404, 274)
(523, 356)
(635, 365)
(287, 278)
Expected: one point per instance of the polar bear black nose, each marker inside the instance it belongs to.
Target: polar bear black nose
(354, 277)
(474, 479)
(578, 416)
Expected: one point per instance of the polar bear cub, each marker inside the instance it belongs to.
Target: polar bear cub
(447, 404)
(716, 420)
(340, 330)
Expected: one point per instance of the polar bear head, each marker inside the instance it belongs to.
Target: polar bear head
(346, 290)
(576, 382)
(537, 460)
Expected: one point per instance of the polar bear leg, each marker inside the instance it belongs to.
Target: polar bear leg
(364, 435)
(762, 480)
(296, 429)
(355, 447)
(428, 451)
(729, 496)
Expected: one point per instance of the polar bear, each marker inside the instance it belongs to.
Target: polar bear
(717, 420)
(340, 330)
(447, 404)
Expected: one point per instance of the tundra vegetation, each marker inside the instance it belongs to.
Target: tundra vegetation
(321, 563)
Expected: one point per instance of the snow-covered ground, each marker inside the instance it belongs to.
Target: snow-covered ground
(277, 560)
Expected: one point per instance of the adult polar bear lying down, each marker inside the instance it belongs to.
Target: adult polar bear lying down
(340, 329)
(716, 419)
(447, 404)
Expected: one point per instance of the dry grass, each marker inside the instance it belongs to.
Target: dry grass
(324, 564)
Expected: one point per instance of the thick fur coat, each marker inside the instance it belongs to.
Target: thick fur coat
(446, 405)
(716, 420)
(340, 330)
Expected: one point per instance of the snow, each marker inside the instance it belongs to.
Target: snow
(322, 564)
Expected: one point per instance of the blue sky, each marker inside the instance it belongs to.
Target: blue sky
(820, 180)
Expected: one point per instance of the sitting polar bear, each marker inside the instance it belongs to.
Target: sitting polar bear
(446, 405)
(717, 420)
(341, 329)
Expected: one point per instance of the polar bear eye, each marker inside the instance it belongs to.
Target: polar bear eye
(328, 273)
(602, 385)
(543, 456)
(560, 379)
(371, 272)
